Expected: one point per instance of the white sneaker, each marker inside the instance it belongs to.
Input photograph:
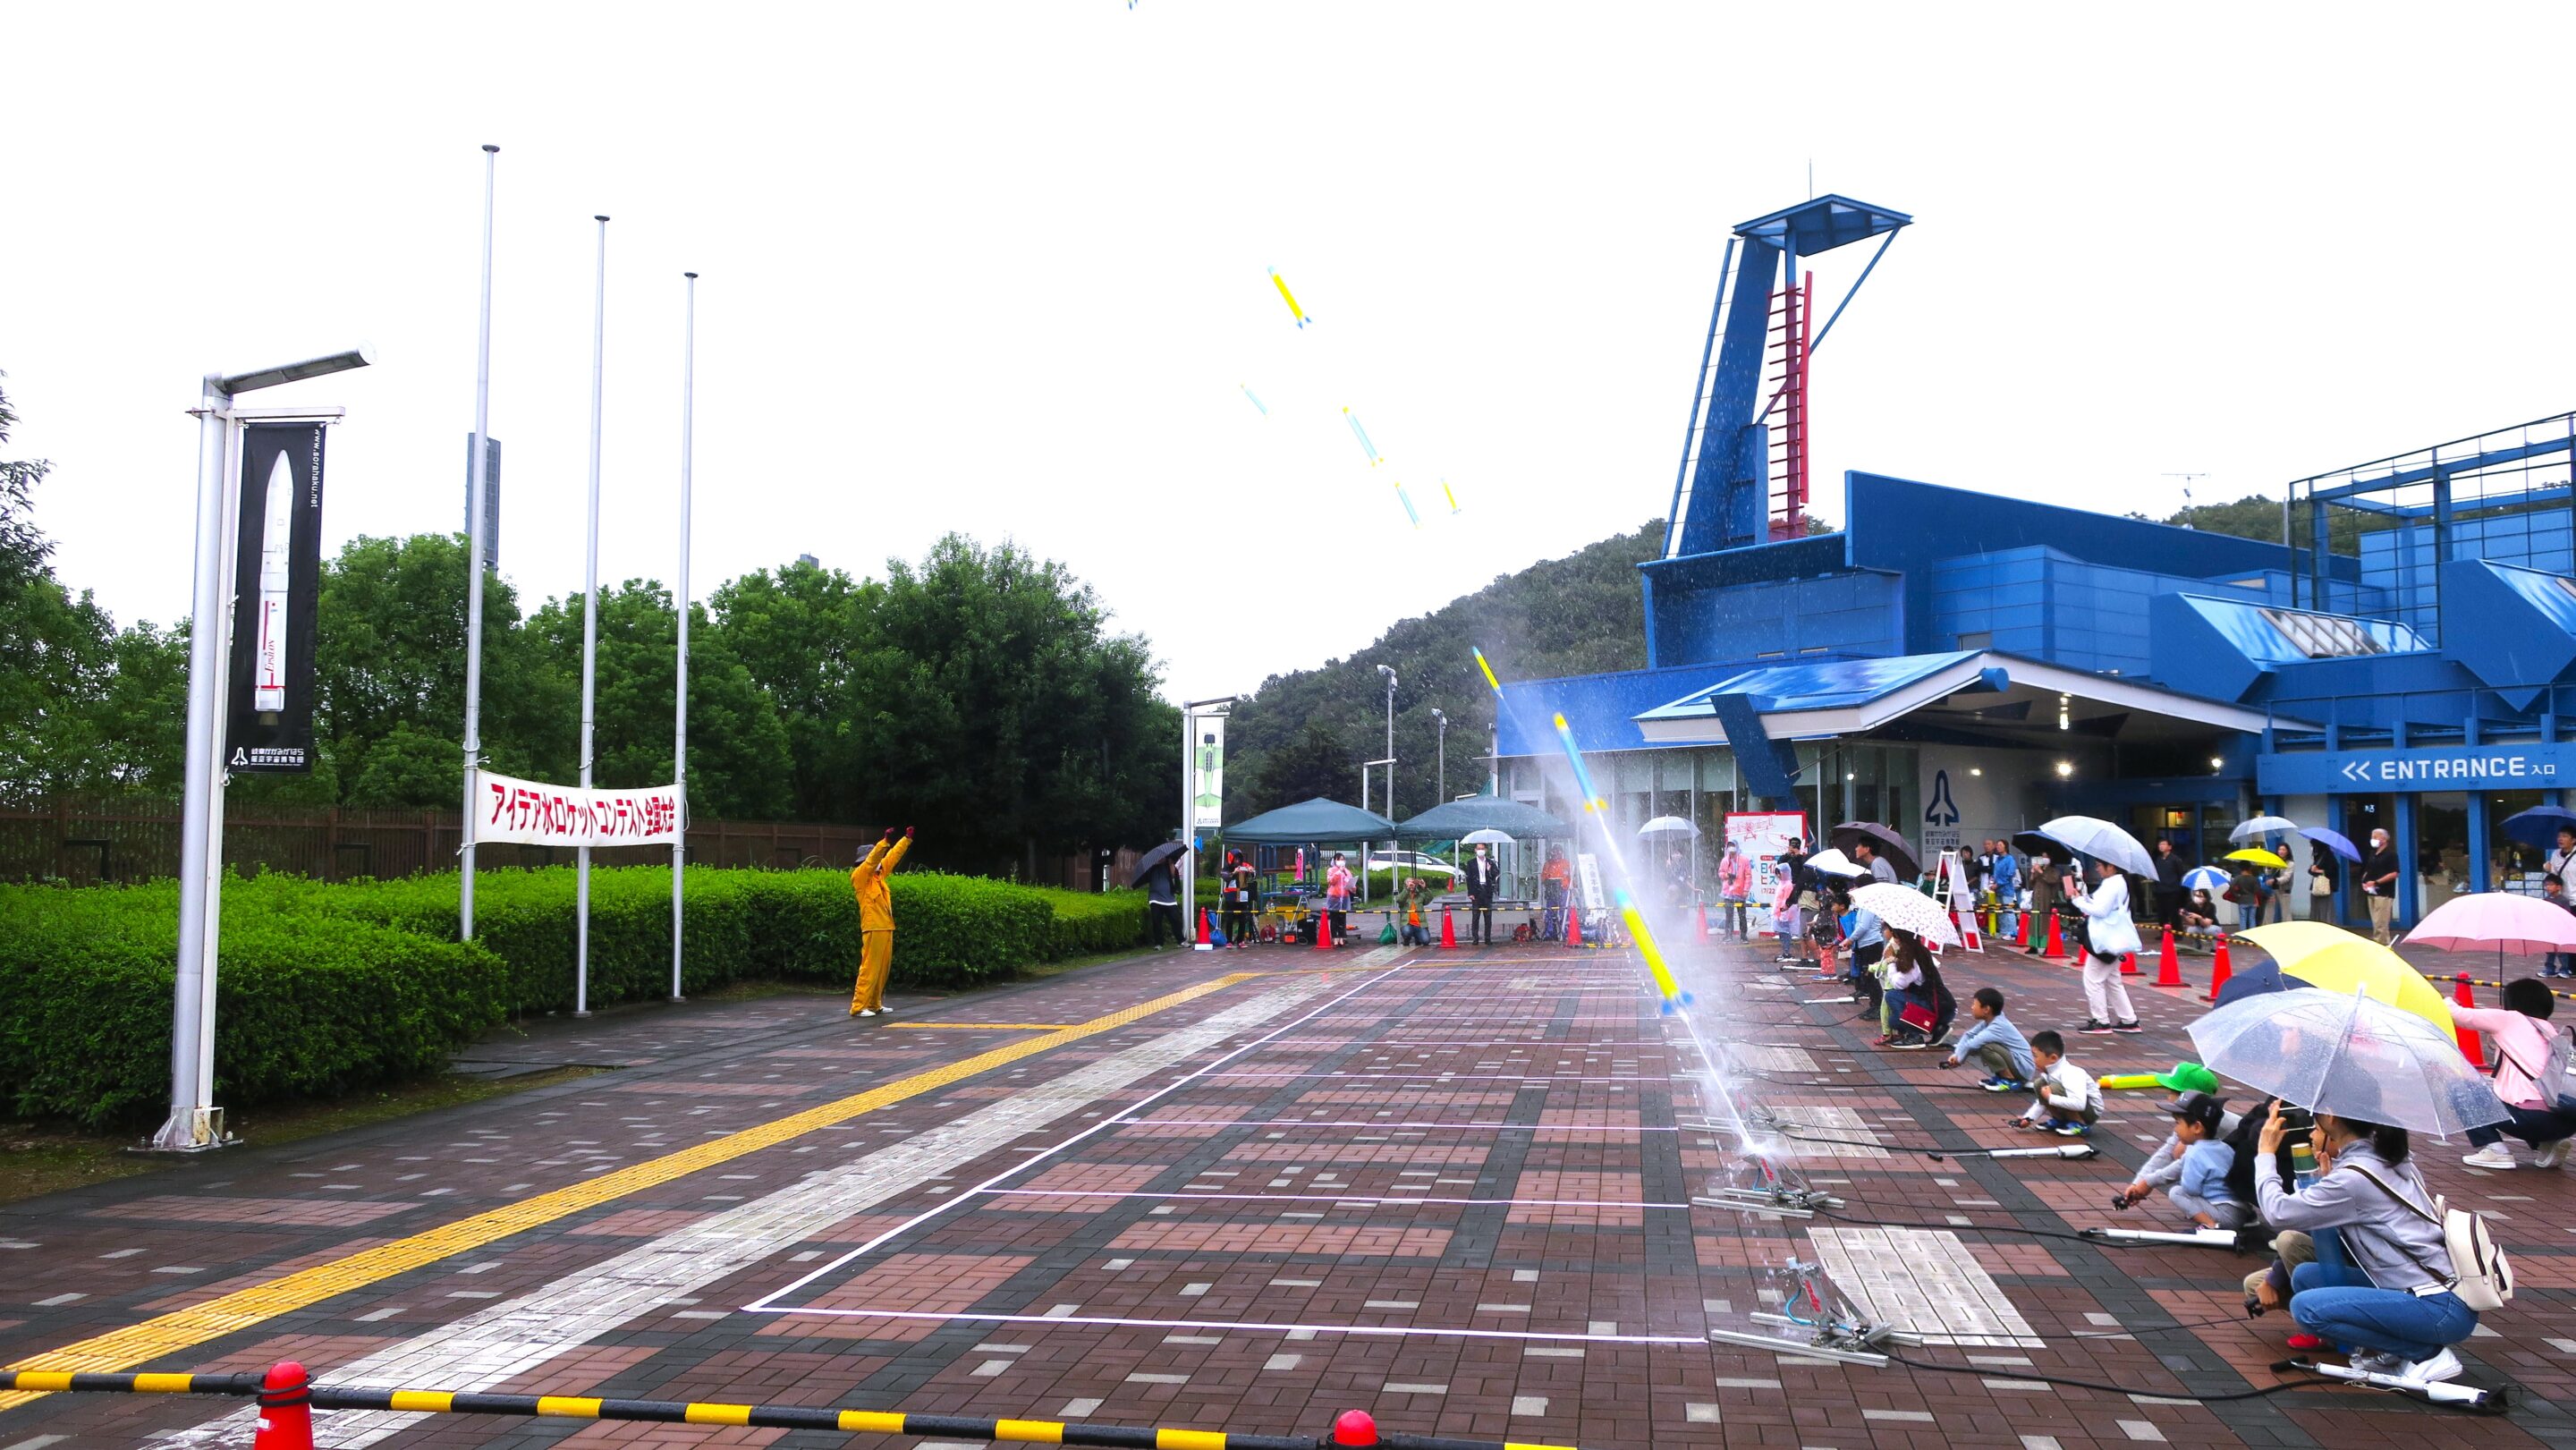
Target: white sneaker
(2553, 1155)
(2493, 1155)
(2443, 1366)
(885, 1011)
(866, 1012)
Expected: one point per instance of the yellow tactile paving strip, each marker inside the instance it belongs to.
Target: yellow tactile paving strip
(989, 1026)
(245, 1308)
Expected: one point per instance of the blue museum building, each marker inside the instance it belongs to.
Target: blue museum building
(2398, 653)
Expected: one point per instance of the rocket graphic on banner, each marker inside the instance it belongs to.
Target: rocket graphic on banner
(277, 577)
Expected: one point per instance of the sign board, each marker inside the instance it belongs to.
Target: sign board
(1588, 869)
(531, 814)
(491, 500)
(2530, 766)
(1763, 837)
(277, 582)
(1940, 816)
(1207, 772)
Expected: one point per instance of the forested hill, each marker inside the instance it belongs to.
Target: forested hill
(1304, 733)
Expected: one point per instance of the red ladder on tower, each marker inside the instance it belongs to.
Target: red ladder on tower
(1786, 363)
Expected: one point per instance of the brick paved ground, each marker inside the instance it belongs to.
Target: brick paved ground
(1450, 1187)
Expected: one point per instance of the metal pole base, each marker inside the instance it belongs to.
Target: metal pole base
(2054, 1150)
(201, 1132)
(2441, 1392)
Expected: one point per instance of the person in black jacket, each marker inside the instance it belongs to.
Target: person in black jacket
(2169, 872)
(1483, 874)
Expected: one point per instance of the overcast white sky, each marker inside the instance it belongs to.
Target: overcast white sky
(1001, 269)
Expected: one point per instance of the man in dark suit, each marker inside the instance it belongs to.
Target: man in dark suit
(1483, 875)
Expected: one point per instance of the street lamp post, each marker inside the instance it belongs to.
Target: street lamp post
(194, 1121)
(1442, 793)
(1390, 739)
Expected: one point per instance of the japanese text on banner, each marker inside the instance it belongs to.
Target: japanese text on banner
(528, 813)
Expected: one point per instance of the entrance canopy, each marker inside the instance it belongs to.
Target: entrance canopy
(1976, 692)
(1311, 820)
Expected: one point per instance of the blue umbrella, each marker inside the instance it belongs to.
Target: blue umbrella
(2539, 826)
(2254, 981)
(2204, 878)
(2331, 841)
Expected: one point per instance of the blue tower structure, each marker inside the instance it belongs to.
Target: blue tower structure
(1739, 483)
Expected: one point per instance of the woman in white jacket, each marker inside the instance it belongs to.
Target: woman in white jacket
(2109, 935)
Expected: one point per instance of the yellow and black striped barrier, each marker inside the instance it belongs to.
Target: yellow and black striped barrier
(286, 1388)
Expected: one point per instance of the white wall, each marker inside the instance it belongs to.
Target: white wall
(1987, 804)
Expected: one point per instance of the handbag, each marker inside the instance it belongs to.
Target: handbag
(1917, 1016)
(2320, 886)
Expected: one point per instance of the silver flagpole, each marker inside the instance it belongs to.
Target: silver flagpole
(680, 707)
(475, 525)
(590, 630)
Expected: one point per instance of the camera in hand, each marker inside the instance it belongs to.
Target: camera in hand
(2297, 1120)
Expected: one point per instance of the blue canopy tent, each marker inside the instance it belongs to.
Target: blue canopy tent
(1311, 822)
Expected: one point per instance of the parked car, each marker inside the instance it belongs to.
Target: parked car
(1413, 863)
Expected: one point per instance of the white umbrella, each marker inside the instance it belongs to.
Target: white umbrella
(1831, 862)
(1907, 909)
(2354, 1057)
(1668, 826)
(2264, 826)
(1486, 838)
(2100, 840)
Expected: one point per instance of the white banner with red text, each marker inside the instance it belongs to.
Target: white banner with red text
(528, 813)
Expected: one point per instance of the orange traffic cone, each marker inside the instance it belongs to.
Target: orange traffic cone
(2056, 939)
(2219, 970)
(1203, 928)
(1573, 926)
(1448, 930)
(2129, 965)
(1323, 931)
(285, 1409)
(2169, 966)
(1703, 921)
(2470, 1046)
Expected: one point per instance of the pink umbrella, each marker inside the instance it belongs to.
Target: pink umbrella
(2522, 925)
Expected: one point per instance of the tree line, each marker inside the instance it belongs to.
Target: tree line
(980, 692)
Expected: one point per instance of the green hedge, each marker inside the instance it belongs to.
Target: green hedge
(304, 1004)
(324, 987)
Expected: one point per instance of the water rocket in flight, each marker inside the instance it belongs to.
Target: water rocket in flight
(1452, 496)
(1256, 398)
(1362, 434)
(1407, 500)
(1290, 298)
(1638, 931)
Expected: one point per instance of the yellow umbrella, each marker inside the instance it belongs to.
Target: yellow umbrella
(2256, 855)
(2341, 961)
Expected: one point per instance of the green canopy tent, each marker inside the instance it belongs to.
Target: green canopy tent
(1317, 822)
(1517, 819)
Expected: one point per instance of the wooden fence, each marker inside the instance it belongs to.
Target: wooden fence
(85, 841)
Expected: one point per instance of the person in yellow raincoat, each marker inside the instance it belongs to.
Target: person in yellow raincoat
(876, 922)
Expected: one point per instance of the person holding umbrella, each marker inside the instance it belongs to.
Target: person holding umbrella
(1157, 872)
(2393, 1301)
(2109, 935)
(2525, 1039)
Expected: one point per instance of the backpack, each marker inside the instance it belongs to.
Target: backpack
(2240, 1173)
(2552, 1079)
(2479, 1273)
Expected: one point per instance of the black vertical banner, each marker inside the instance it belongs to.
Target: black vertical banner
(277, 578)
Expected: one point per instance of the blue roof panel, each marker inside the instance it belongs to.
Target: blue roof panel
(1824, 224)
(1824, 685)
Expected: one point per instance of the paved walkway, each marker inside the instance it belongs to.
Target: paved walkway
(1224, 1191)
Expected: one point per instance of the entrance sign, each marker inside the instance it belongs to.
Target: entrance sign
(531, 814)
(2530, 766)
(277, 580)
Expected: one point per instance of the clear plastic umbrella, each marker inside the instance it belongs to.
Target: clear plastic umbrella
(1830, 862)
(1668, 826)
(2100, 840)
(1907, 909)
(2263, 826)
(2353, 1056)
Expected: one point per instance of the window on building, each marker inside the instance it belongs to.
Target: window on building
(2513, 865)
(2323, 636)
(2441, 848)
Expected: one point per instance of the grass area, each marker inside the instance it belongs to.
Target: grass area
(37, 1159)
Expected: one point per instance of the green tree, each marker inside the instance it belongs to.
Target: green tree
(796, 630)
(1316, 761)
(738, 758)
(994, 706)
